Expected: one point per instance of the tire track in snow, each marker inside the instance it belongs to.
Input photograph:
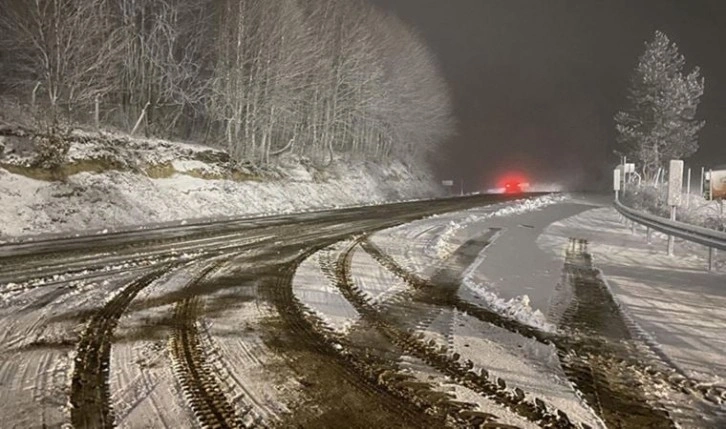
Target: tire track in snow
(90, 396)
(593, 313)
(451, 299)
(614, 356)
(536, 411)
(198, 379)
(376, 383)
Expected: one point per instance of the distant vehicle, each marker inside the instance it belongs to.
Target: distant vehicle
(513, 188)
(513, 182)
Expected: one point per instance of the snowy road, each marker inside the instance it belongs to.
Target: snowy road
(390, 316)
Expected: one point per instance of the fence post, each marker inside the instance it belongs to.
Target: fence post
(710, 258)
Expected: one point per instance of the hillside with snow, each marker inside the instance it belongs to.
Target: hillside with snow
(112, 181)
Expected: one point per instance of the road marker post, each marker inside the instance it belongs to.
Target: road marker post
(616, 183)
(688, 188)
(675, 193)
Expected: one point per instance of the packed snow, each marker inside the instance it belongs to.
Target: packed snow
(512, 276)
(679, 306)
(318, 294)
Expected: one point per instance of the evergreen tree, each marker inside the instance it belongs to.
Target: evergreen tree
(659, 122)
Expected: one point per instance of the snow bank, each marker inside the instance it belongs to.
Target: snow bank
(446, 242)
(117, 198)
(429, 242)
(517, 308)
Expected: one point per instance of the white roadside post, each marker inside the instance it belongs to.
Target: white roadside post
(628, 169)
(717, 191)
(709, 176)
(688, 188)
(616, 183)
(675, 188)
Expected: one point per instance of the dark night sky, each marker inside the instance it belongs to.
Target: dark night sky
(536, 82)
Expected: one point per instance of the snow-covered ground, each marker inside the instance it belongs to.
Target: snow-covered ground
(512, 275)
(195, 185)
(680, 307)
(40, 329)
(671, 303)
(318, 295)
(514, 270)
(422, 247)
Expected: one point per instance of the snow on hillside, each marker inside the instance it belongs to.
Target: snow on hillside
(147, 181)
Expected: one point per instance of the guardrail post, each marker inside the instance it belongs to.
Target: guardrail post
(713, 240)
(671, 239)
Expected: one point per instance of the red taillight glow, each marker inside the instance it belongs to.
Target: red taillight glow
(513, 182)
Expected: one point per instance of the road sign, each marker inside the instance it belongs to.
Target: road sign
(447, 182)
(616, 179)
(675, 182)
(717, 184)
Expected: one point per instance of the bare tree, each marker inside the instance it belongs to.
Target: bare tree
(64, 49)
(264, 77)
(164, 60)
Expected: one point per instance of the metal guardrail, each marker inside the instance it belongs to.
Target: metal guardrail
(707, 237)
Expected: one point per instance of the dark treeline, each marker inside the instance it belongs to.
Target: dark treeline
(261, 77)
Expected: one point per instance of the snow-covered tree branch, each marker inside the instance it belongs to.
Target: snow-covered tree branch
(659, 123)
(259, 77)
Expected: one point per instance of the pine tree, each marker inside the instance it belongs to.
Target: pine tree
(659, 122)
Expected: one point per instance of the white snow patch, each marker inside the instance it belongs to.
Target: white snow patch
(439, 383)
(521, 362)
(447, 241)
(317, 293)
(517, 308)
